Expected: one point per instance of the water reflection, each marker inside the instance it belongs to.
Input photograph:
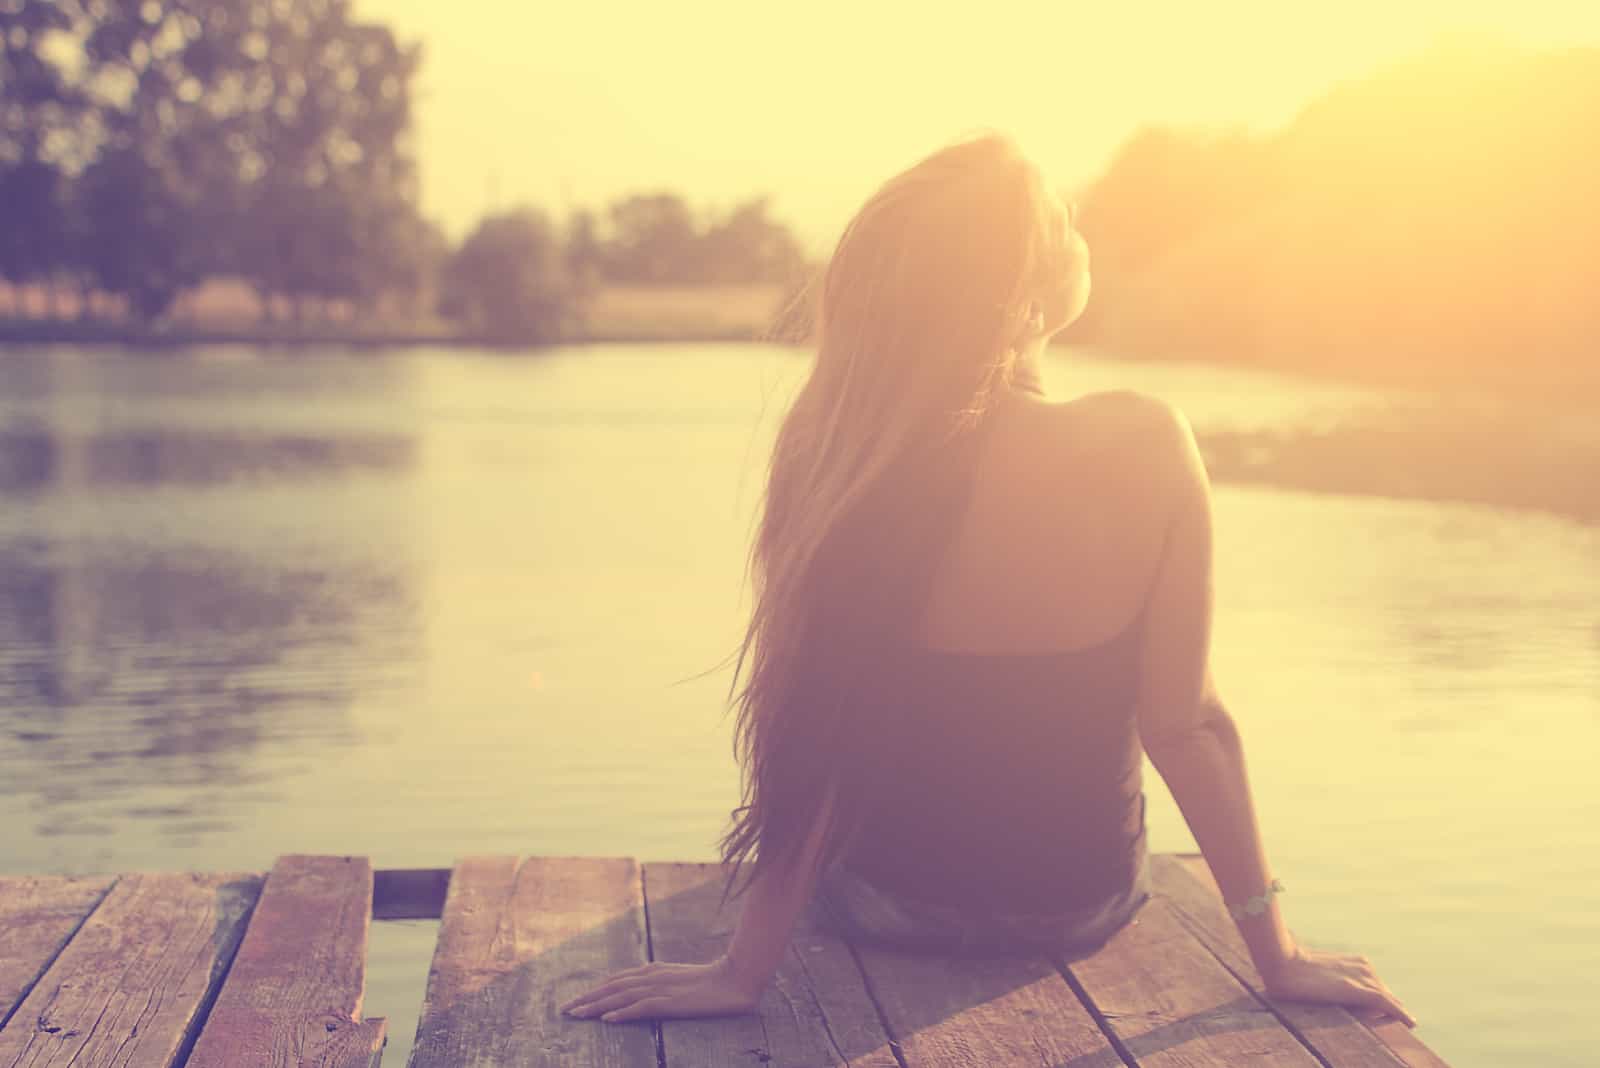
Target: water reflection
(32, 461)
(182, 621)
(162, 677)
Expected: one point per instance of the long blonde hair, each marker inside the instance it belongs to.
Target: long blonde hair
(919, 306)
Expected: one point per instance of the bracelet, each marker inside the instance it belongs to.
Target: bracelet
(1255, 906)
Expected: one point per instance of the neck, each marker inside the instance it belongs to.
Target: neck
(1025, 371)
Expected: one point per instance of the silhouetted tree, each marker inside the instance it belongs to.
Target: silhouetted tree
(266, 138)
(584, 257)
(748, 246)
(32, 221)
(1433, 221)
(39, 114)
(330, 186)
(508, 281)
(654, 239)
(138, 232)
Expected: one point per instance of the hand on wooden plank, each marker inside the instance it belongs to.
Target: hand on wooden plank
(1334, 978)
(667, 991)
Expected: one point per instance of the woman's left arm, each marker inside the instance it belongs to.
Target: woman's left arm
(735, 981)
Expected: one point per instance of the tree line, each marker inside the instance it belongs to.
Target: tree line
(520, 275)
(149, 145)
(1434, 221)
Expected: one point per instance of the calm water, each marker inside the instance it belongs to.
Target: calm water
(435, 603)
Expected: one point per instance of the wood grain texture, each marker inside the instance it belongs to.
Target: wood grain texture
(129, 986)
(38, 913)
(293, 995)
(1355, 1039)
(982, 1012)
(816, 1013)
(1170, 1002)
(519, 938)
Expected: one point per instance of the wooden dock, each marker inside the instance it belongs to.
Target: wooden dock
(235, 970)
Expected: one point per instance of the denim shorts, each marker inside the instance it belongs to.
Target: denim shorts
(848, 906)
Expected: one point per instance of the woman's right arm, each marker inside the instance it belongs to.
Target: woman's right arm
(1194, 745)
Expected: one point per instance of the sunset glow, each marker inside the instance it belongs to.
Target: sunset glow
(574, 104)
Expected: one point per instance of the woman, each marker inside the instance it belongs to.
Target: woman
(976, 609)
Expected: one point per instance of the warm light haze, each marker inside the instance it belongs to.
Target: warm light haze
(573, 104)
(1112, 487)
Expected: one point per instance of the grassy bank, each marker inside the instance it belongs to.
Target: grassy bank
(1512, 455)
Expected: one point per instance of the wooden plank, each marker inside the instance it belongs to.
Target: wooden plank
(517, 940)
(1169, 1001)
(409, 893)
(978, 1012)
(1357, 1039)
(37, 916)
(816, 1013)
(130, 986)
(981, 1012)
(293, 995)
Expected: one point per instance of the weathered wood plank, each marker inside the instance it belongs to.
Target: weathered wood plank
(1170, 1002)
(293, 995)
(409, 893)
(37, 916)
(517, 940)
(945, 1012)
(129, 986)
(982, 1012)
(816, 1013)
(1356, 1039)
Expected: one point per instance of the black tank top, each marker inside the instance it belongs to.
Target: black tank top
(991, 781)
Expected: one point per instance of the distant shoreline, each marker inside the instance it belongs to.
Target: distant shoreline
(222, 312)
(1413, 449)
(118, 335)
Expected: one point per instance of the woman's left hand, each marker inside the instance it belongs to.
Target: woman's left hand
(660, 990)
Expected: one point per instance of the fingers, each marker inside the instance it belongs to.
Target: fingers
(639, 1010)
(602, 1006)
(1385, 1001)
(1373, 994)
(616, 983)
(611, 995)
(658, 977)
(1378, 996)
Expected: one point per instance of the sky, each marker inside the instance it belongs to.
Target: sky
(566, 105)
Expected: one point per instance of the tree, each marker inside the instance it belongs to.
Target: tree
(654, 239)
(32, 221)
(328, 181)
(266, 138)
(1432, 221)
(39, 114)
(508, 280)
(136, 235)
(748, 246)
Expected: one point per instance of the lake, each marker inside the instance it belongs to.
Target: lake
(431, 603)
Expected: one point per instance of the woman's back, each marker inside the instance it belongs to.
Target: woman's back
(1062, 531)
(1008, 777)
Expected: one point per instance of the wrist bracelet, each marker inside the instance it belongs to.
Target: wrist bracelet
(1255, 906)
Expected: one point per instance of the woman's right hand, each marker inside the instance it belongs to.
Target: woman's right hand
(1334, 979)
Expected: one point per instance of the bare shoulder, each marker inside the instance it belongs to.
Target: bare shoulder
(1069, 523)
(1147, 439)
(1129, 416)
